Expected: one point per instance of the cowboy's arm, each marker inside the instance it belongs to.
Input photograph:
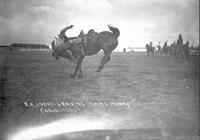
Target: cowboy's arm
(65, 29)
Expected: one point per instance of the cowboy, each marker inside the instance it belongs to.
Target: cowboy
(187, 53)
(151, 44)
(165, 48)
(180, 40)
(179, 43)
(65, 38)
(165, 45)
(159, 48)
(66, 52)
(53, 45)
(83, 42)
(81, 34)
(62, 33)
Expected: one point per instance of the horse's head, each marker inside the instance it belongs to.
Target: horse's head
(56, 46)
(59, 40)
(62, 49)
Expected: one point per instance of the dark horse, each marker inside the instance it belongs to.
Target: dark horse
(182, 52)
(76, 49)
(166, 49)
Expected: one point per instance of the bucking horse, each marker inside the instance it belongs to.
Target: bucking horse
(75, 49)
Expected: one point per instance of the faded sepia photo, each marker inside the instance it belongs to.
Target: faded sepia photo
(99, 70)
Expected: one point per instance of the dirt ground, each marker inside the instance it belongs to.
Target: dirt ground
(134, 92)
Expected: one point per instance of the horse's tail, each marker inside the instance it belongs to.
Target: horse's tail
(115, 30)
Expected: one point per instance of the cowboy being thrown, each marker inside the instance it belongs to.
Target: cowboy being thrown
(72, 40)
(63, 51)
(62, 33)
(78, 40)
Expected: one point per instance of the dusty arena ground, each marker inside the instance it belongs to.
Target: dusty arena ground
(134, 97)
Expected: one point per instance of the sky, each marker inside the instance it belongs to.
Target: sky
(139, 21)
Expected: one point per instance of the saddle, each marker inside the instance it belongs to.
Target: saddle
(84, 38)
(82, 41)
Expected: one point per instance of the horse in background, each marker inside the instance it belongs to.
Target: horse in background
(165, 49)
(171, 49)
(87, 45)
(159, 49)
(182, 52)
(149, 49)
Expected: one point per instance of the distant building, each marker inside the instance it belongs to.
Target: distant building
(3, 46)
(136, 49)
(32, 46)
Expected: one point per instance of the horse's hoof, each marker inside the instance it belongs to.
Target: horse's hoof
(72, 75)
(80, 77)
(98, 70)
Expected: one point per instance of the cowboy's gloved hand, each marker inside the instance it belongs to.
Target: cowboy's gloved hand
(71, 26)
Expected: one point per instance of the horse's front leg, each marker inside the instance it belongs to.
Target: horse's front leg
(77, 67)
(80, 74)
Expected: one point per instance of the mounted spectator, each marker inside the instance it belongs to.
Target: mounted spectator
(159, 48)
(81, 34)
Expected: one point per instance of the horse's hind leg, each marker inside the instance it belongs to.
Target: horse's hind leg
(104, 60)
